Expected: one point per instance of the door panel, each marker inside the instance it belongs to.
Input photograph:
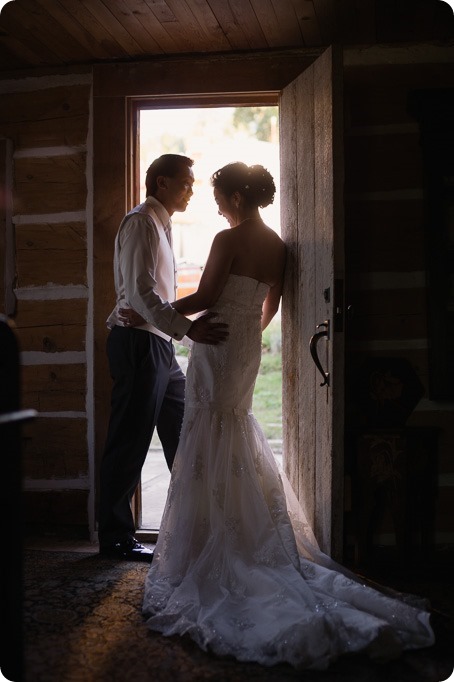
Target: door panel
(312, 226)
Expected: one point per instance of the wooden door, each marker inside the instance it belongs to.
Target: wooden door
(312, 225)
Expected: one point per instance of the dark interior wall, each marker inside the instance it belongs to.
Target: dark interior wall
(398, 434)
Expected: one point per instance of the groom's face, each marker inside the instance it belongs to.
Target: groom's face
(175, 192)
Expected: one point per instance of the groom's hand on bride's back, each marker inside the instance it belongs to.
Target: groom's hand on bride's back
(203, 330)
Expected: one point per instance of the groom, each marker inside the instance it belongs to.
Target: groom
(148, 388)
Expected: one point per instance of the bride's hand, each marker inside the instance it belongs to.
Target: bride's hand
(130, 318)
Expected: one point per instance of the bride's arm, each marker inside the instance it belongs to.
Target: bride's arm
(271, 304)
(213, 278)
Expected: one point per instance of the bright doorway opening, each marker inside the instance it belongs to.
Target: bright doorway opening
(213, 137)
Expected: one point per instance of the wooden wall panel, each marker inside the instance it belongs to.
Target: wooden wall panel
(54, 388)
(46, 118)
(444, 507)
(55, 448)
(441, 419)
(109, 209)
(3, 219)
(384, 223)
(383, 163)
(49, 253)
(390, 325)
(385, 104)
(51, 325)
(375, 245)
(50, 184)
(393, 302)
(48, 511)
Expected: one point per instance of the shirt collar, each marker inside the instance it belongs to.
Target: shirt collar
(160, 210)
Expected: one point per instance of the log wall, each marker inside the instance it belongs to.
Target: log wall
(387, 257)
(47, 121)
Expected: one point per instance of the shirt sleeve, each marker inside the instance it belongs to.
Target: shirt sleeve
(138, 249)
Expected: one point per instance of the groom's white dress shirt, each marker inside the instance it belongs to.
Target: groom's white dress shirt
(145, 271)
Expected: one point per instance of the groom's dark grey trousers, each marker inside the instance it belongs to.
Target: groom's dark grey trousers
(148, 392)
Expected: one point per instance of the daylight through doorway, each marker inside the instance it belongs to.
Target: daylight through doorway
(212, 137)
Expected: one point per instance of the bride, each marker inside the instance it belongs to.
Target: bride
(236, 566)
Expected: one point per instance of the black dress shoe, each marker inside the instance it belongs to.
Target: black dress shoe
(129, 550)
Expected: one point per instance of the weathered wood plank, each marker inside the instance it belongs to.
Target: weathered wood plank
(324, 279)
(55, 448)
(305, 206)
(51, 253)
(50, 184)
(312, 440)
(51, 326)
(46, 118)
(54, 388)
(290, 312)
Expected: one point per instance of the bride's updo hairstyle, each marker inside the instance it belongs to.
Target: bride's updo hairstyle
(254, 183)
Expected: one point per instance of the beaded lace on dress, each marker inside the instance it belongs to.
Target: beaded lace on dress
(236, 564)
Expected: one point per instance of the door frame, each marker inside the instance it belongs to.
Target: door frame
(241, 78)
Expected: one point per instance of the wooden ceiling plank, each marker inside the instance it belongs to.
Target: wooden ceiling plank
(54, 34)
(94, 28)
(187, 28)
(289, 26)
(266, 16)
(155, 26)
(12, 49)
(134, 16)
(102, 13)
(308, 22)
(209, 24)
(247, 17)
(58, 10)
(16, 21)
(230, 25)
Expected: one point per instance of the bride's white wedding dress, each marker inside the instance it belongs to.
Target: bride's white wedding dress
(236, 567)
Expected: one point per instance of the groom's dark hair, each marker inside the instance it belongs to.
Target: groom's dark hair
(167, 165)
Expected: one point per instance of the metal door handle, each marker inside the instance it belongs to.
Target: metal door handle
(313, 348)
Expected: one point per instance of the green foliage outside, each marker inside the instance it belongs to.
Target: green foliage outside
(258, 121)
(267, 404)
